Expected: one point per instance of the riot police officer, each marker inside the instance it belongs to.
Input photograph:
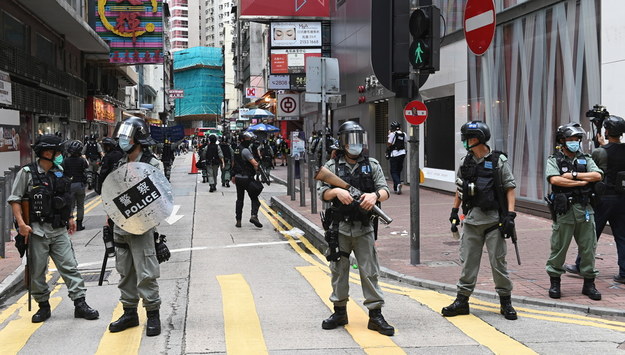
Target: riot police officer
(136, 260)
(481, 172)
(244, 171)
(610, 158)
(48, 192)
(356, 230)
(74, 167)
(93, 151)
(213, 157)
(168, 158)
(112, 154)
(228, 154)
(571, 174)
(396, 145)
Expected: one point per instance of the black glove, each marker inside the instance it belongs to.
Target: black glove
(162, 251)
(453, 217)
(507, 224)
(20, 244)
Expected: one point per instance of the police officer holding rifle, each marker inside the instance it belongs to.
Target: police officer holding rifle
(352, 225)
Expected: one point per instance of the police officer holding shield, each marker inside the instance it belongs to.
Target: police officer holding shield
(481, 172)
(356, 230)
(49, 194)
(136, 260)
(571, 174)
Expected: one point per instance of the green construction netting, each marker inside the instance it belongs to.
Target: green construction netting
(198, 71)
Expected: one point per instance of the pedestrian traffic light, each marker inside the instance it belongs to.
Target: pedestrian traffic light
(424, 51)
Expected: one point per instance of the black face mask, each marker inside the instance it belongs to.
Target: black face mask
(246, 144)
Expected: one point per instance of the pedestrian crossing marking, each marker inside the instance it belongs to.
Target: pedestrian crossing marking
(370, 341)
(243, 331)
(124, 342)
(16, 333)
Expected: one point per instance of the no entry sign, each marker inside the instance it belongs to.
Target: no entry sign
(415, 112)
(479, 25)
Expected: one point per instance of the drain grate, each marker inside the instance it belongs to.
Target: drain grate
(95, 276)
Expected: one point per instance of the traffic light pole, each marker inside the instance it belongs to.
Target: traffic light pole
(415, 236)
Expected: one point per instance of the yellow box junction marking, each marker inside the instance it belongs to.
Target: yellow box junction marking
(244, 334)
(124, 342)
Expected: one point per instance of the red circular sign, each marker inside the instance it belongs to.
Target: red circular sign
(479, 25)
(415, 112)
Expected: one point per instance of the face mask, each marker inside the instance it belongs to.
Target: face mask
(354, 149)
(58, 160)
(246, 143)
(572, 146)
(465, 144)
(125, 145)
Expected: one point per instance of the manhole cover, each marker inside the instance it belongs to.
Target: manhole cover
(95, 276)
(441, 263)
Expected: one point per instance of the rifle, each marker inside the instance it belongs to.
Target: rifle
(264, 177)
(25, 204)
(325, 175)
(503, 206)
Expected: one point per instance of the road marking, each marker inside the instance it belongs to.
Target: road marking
(370, 341)
(124, 342)
(244, 334)
(92, 202)
(16, 333)
(174, 217)
(479, 21)
(96, 204)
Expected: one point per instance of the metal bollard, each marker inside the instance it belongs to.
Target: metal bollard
(4, 231)
(313, 186)
(302, 187)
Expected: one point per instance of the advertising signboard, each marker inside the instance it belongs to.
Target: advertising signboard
(279, 82)
(252, 9)
(296, 34)
(291, 61)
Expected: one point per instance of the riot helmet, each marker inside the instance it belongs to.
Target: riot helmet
(74, 148)
(475, 129)
(47, 142)
(395, 126)
(568, 130)
(352, 138)
(137, 129)
(615, 126)
(108, 144)
(247, 135)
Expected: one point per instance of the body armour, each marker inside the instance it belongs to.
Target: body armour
(400, 141)
(615, 173)
(579, 194)
(74, 168)
(92, 151)
(212, 155)
(242, 166)
(362, 179)
(478, 182)
(225, 150)
(50, 198)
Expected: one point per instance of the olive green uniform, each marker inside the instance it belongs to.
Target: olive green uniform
(474, 236)
(360, 239)
(577, 222)
(137, 264)
(45, 242)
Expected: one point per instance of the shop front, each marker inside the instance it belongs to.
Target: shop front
(101, 117)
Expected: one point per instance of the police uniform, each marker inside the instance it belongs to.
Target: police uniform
(244, 173)
(136, 259)
(480, 227)
(357, 235)
(228, 155)
(48, 240)
(579, 219)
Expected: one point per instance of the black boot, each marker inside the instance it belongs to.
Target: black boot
(590, 290)
(238, 225)
(460, 306)
(506, 308)
(254, 220)
(79, 226)
(339, 317)
(212, 189)
(82, 310)
(154, 324)
(378, 323)
(554, 290)
(227, 183)
(43, 313)
(129, 319)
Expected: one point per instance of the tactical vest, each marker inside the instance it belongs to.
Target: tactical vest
(50, 197)
(212, 155)
(225, 149)
(242, 166)
(478, 182)
(74, 168)
(579, 194)
(400, 141)
(92, 151)
(362, 179)
(615, 173)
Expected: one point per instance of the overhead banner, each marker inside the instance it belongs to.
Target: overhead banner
(296, 34)
(133, 30)
(291, 61)
(252, 9)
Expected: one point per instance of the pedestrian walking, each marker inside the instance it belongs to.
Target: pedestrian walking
(75, 167)
(228, 154)
(48, 191)
(244, 171)
(571, 174)
(481, 173)
(396, 150)
(213, 159)
(355, 229)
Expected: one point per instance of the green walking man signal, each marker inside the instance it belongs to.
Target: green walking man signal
(418, 53)
(425, 29)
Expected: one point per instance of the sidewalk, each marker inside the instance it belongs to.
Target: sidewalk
(440, 265)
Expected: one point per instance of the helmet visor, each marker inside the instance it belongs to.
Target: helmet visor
(353, 138)
(126, 130)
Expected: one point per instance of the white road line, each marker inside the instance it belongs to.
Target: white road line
(479, 21)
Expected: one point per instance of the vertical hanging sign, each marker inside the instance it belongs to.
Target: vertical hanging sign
(133, 29)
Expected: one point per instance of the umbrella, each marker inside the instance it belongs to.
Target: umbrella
(257, 113)
(261, 127)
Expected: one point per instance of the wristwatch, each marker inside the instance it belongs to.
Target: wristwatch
(378, 195)
(574, 174)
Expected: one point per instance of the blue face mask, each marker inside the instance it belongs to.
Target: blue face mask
(125, 145)
(572, 146)
(58, 160)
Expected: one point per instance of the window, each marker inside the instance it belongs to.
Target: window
(45, 50)
(14, 31)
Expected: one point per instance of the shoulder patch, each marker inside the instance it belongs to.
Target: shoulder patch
(26, 169)
(503, 157)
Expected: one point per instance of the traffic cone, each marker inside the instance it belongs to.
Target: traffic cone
(193, 167)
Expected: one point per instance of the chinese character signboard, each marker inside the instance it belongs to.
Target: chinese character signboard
(99, 110)
(133, 30)
(176, 94)
(291, 61)
(296, 34)
(253, 9)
